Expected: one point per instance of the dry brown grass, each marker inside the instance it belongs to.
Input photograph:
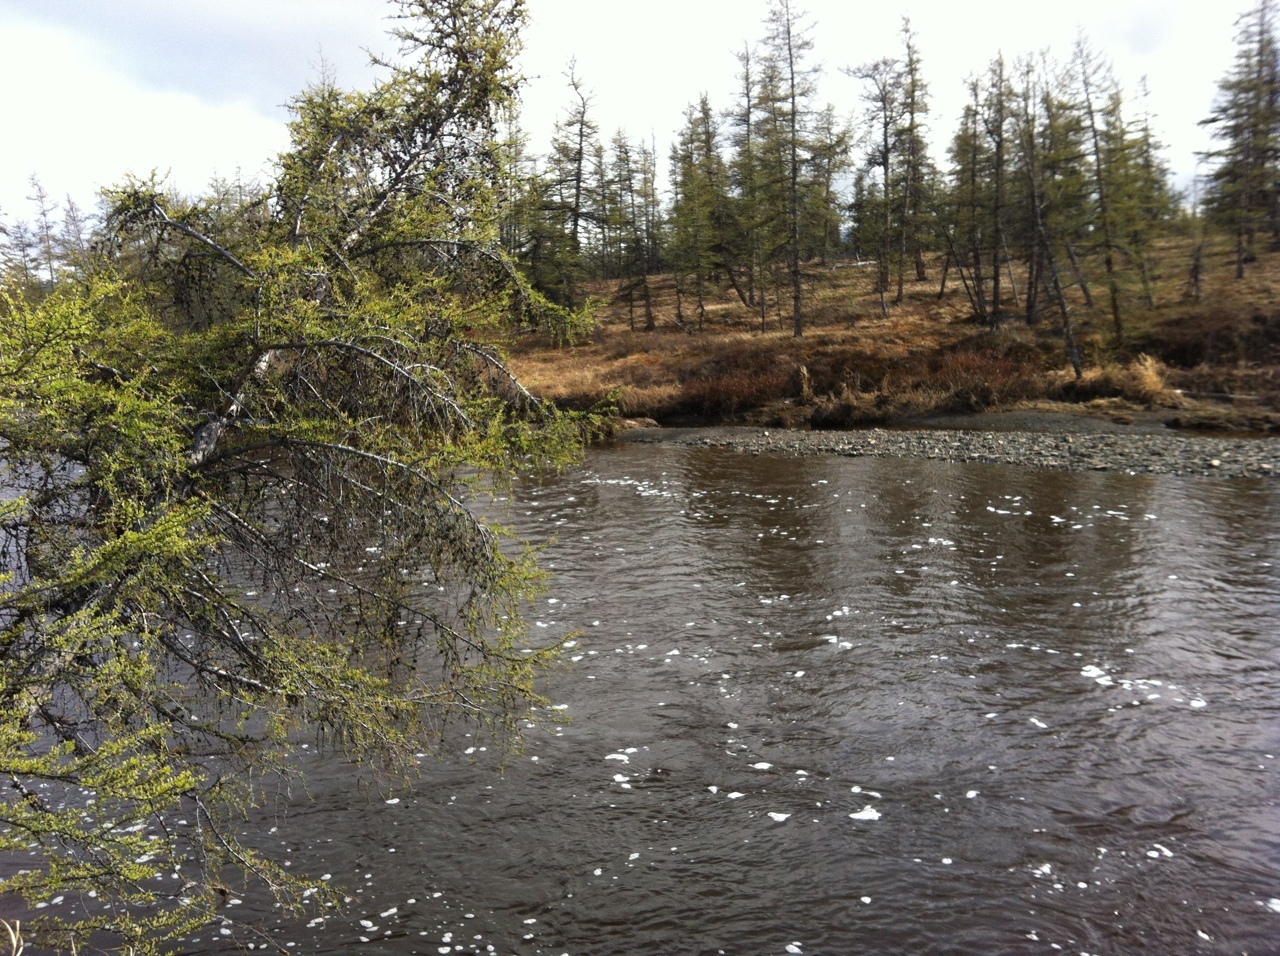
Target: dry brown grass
(1143, 381)
(927, 355)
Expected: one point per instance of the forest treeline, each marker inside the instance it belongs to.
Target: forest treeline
(1051, 167)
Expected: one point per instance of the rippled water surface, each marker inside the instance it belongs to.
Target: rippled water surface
(849, 706)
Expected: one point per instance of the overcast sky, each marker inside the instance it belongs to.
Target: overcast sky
(94, 89)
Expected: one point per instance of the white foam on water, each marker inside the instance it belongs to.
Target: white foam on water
(620, 778)
(634, 856)
(1097, 674)
(393, 801)
(866, 899)
(1273, 905)
(714, 789)
(621, 758)
(794, 948)
(866, 813)
(779, 817)
(390, 912)
(735, 795)
(762, 766)
(1039, 723)
(1199, 704)
(971, 794)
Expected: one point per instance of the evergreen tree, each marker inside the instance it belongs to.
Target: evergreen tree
(568, 179)
(1244, 187)
(917, 171)
(883, 89)
(699, 204)
(788, 42)
(212, 500)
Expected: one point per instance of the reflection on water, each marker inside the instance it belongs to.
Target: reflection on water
(844, 706)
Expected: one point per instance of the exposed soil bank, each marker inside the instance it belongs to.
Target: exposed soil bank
(1036, 440)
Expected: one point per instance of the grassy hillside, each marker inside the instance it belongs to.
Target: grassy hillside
(1211, 363)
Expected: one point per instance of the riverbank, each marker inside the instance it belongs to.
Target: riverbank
(1064, 442)
(1204, 364)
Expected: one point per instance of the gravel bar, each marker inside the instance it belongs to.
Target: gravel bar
(1140, 454)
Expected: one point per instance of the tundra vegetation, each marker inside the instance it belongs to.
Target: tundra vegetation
(1041, 259)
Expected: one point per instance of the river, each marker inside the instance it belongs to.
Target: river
(850, 706)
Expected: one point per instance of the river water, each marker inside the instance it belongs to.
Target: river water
(846, 706)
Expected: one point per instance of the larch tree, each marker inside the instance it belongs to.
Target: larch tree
(699, 204)
(967, 225)
(995, 116)
(882, 92)
(569, 172)
(1095, 83)
(789, 42)
(1244, 185)
(241, 451)
(1045, 148)
(917, 170)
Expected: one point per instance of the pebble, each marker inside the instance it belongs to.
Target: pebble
(1149, 454)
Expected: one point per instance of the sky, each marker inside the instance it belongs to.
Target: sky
(198, 89)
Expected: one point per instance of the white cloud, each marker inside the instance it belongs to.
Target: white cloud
(80, 123)
(95, 88)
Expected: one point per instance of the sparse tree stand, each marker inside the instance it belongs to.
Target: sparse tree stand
(1243, 194)
(227, 526)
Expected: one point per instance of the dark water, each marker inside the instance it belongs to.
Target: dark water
(853, 706)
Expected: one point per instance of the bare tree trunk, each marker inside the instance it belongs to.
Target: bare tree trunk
(971, 291)
(1068, 330)
(1034, 268)
(744, 298)
(1196, 272)
(1148, 290)
(1079, 275)
(902, 264)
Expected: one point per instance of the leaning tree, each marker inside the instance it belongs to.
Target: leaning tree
(241, 451)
